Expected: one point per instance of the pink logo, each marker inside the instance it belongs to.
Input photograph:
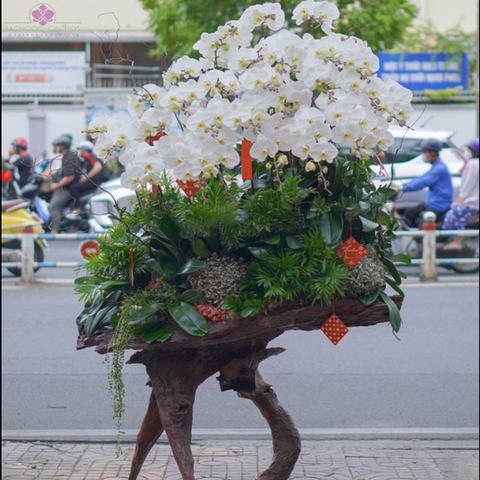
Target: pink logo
(43, 15)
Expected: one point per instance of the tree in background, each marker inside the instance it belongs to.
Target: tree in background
(179, 23)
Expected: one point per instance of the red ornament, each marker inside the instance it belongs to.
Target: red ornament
(334, 329)
(153, 138)
(351, 252)
(191, 187)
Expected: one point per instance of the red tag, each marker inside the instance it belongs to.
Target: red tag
(351, 252)
(191, 187)
(247, 173)
(334, 329)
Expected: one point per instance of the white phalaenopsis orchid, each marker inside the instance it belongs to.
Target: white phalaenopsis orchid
(293, 97)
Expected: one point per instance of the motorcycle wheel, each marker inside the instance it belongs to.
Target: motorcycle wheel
(472, 244)
(38, 256)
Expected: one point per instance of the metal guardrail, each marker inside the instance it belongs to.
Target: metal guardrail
(428, 262)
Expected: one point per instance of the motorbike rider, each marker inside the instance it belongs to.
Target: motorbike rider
(438, 180)
(467, 203)
(68, 173)
(92, 175)
(22, 160)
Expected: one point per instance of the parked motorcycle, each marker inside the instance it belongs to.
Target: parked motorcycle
(16, 215)
(413, 245)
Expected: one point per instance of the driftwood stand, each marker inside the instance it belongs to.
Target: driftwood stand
(177, 367)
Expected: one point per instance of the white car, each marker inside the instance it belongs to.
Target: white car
(102, 205)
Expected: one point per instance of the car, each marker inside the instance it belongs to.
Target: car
(102, 205)
(407, 141)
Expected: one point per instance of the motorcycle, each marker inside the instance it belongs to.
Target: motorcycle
(15, 216)
(413, 245)
(70, 222)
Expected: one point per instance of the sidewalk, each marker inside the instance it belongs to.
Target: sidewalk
(244, 460)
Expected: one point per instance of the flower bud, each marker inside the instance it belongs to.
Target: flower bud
(280, 173)
(381, 154)
(282, 159)
(389, 118)
(214, 91)
(310, 166)
(269, 165)
(325, 170)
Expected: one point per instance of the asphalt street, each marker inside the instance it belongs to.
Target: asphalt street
(424, 384)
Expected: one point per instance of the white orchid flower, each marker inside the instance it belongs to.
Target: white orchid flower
(263, 147)
(303, 143)
(323, 151)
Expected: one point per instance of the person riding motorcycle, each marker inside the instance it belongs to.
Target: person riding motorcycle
(438, 180)
(467, 203)
(92, 175)
(22, 160)
(68, 173)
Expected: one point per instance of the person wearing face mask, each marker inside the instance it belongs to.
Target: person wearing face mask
(467, 203)
(439, 183)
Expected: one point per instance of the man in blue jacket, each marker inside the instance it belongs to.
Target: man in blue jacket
(437, 179)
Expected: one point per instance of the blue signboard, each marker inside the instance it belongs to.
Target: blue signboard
(425, 71)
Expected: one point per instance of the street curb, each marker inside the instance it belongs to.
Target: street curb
(257, 434)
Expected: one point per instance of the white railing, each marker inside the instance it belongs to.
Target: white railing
(428, 262)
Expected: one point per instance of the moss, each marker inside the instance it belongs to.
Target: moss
(367, 275)
(218, 279)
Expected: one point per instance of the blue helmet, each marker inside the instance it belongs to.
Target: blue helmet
(429, 145)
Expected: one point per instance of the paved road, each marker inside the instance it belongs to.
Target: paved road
(369, 382)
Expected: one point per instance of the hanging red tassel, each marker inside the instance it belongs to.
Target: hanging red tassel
(247, 171)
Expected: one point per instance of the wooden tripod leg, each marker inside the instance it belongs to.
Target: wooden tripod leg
(242, 376)
(149, 433)
(174, 387)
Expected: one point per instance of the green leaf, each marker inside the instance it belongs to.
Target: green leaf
(191, 266)
(401, 258)
(199, 248)
(258, 252)
(170, 229)
(145, 327)
(331, 226)
(142, 314)
(392, 283)
(160, 335)
(393, 270)
(232, 304)
(250, 308)
(189, 319)
(191, 297)
(369, 299)
(293, 242)
(393, 312)
(168, 267)
(368, 225)
(274, 240)
(112, 283)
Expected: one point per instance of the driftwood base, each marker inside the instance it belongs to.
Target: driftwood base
(174, 381)
(177, 367)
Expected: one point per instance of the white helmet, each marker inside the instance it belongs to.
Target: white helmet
(86, 145)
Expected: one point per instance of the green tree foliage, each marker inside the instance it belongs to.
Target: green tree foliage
(179, 23)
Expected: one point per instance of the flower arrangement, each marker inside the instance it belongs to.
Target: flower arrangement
(251, 168)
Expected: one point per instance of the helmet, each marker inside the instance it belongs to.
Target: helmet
(62, 141)
(86, 145)
(429, 144)
(473, 145)
(20, 142)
